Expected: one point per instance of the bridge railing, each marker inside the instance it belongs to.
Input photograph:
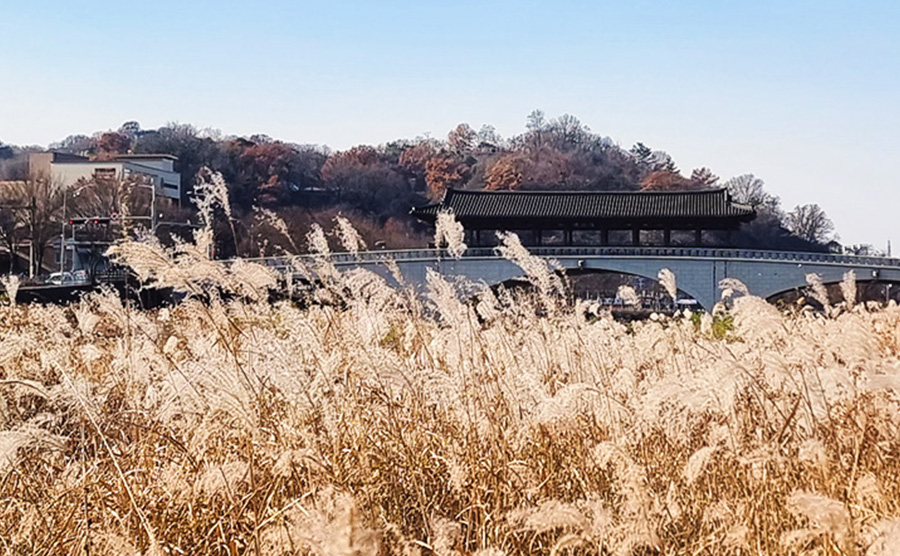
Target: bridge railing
(624, 251)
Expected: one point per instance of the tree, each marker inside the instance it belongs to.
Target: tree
(6, 151)
(362, 179)
(642, 153)
(536, 129)
(112, 143)
(462, 139)
(536, 121)
(661, 160)
(703, 177)
(11, 233)
(666, 180)
(270, 172)
(810, 222)
(184, 142)
(40, 199)
(749, 190)
(863, 249)
(567, 133)
(443, 171)
(505, 173)
(130, 129)
(413, 160)
(488, 138)
(74, 144)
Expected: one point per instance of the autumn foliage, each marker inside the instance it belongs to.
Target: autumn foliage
(381, 183)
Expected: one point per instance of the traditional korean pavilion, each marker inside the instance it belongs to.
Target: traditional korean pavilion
(680, 218)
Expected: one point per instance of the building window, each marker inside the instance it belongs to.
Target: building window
(105, 174)
(587, 237)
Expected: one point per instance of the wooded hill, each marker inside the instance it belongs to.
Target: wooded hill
(375, 186)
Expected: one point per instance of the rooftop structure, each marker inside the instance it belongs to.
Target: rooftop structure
(698, 217)
(67, 169)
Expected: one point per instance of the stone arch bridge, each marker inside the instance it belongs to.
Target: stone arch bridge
(698, 270)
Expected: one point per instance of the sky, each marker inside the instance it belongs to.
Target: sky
(802, 94)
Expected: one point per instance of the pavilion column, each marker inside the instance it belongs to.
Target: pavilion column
(478, 238)
(604, 236)
(667, 237)
(635, 236)
(698, 237)
(729, 238)
(539, 237)
(567, 237)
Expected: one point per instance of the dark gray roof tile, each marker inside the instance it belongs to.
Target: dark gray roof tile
(707, 203)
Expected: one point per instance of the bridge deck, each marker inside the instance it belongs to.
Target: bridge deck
(639, 252)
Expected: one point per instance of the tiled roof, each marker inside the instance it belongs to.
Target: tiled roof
(707, 203)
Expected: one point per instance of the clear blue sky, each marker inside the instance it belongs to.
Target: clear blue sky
(803, 94)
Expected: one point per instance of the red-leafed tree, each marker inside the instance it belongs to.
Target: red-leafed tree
(112, 143)
(665, 180)
(443, 171)
(505, 173)
(413, 161)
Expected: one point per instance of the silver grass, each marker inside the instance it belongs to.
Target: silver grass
(696, 464)
(886, 538)
(347, 234)
(10, 284)
(824, 515)
(540, 272)
(627, 295)
(848, 288)
(449, 232)
(817, 289)
(667, 281)
(276, 223)
(732, 286)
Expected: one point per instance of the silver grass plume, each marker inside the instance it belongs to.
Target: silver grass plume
(317, 242)
(267, 216)
(347, 234)
(627, 295)
(848, 288)
(667, 280)
(817, 289)
(450, 232)
(209, 191)
(887, 538)
(540, 272)
(11, 285)
(731, 286)
(825, 516)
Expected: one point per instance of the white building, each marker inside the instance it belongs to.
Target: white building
(67, 169)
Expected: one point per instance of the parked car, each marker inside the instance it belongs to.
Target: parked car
(62, 279)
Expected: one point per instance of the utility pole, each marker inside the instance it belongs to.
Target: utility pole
(153, 208)
(33, 209)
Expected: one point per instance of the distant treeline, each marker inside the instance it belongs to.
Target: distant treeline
(375, 186)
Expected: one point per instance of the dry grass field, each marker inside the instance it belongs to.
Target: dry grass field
(368, 421)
